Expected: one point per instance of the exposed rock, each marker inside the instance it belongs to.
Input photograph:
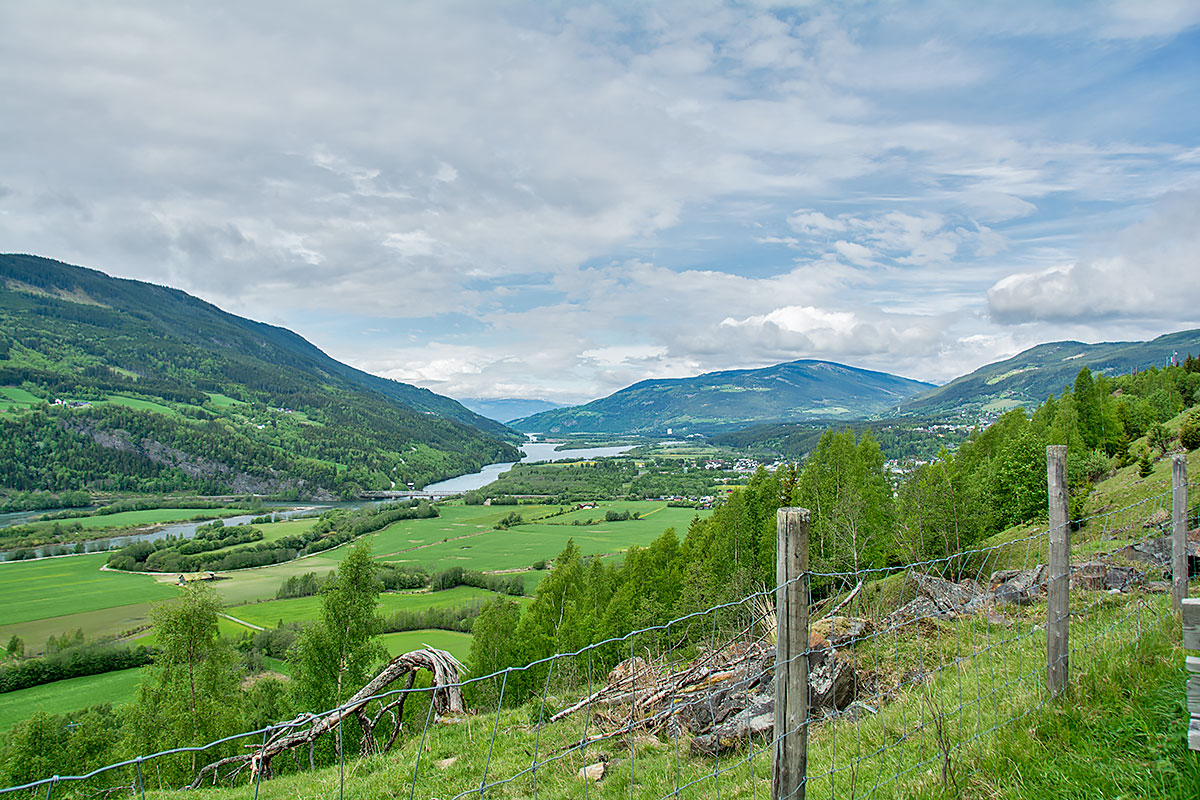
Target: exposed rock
(593, 772)
(1018, 586)
(836, 631)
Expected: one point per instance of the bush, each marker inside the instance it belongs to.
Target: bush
(1189, 434)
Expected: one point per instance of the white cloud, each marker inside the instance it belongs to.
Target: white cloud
(1150, 271)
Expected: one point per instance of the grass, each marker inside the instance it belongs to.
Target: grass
(979, 684)
(54, 587)
(522, 545)
(13, 398)
(223, 401)
(102, 622)
(455, 643)
(140, 405)
(74, 694)
(149, 516)
(298, 609)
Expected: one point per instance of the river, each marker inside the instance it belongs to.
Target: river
(532, 451)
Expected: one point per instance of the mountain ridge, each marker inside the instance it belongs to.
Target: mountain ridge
(167, 392)
(805, 389)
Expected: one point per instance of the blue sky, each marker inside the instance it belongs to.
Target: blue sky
(556, 200)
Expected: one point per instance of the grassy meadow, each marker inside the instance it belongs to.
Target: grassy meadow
(69, 695)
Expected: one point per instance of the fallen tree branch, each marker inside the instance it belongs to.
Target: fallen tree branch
(446, 697)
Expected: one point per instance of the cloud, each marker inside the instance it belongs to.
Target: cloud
(611, 191)
(1150, 271)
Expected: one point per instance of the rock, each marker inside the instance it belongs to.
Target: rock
(836, 631)
(593, 772)
(1018, 587)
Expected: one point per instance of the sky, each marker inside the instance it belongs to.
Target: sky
(555, 200)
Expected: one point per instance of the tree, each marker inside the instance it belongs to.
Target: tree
(1145, 465)
(336, 655)
(16, 647)
(190, 695)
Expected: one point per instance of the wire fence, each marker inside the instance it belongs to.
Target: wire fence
(909, 667)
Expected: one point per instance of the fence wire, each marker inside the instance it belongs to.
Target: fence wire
(910, 666)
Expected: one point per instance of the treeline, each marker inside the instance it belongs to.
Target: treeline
(607, 478)
(918, 439)
(216, 547)
(38, 501)
(862, 517)
(73, 661)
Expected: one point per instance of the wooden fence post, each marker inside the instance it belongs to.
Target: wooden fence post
(789, 766)
(1190, 608)
(1058, 590)
(1179, 564)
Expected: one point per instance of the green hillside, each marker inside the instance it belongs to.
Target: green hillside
(717, 401)
(116, 384)
(1029, 377)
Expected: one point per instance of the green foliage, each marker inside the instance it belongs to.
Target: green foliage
(1189, 432)
(1145, 465)
(70, 660)
(144, 361)
(335, 655)
(190, 695)
(15, 647)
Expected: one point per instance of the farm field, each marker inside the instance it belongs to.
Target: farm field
(297, 609)
(111, 621)
(53, 587)
(522, 545)
(151, 516)
(452, 521)
(70, 695)
(13, 398)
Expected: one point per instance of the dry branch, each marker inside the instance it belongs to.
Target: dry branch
(446, 698)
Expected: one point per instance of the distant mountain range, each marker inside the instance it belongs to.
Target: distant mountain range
(506, 409)
(164, 391)
(1031, 376)
(720, 401)
(804, 393)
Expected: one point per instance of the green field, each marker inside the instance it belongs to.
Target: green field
(151, 516)
(13, 398)
(455, 643)
(453, 521)
(140, 405)
(53, 587)
(522, 545)
(223, 401)
(70, 695)
(297, 609)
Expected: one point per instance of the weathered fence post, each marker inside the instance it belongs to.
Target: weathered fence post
(790, 763)
(1058, 590)
(1190, 608)
(1179, 564)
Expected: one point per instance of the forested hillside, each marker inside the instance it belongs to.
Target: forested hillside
(120, 385)
(721, 401)
(1040, 371)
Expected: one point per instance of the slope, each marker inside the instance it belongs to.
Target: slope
(716, 401)
(170, 393)
(1030, 376)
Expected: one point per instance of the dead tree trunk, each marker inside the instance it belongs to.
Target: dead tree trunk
(446, 697)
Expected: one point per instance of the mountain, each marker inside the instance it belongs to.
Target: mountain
(718, 401)
(161, 391)
(506, 409)
(1030, 377)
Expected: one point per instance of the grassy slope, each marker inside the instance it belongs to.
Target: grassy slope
(69, 695)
